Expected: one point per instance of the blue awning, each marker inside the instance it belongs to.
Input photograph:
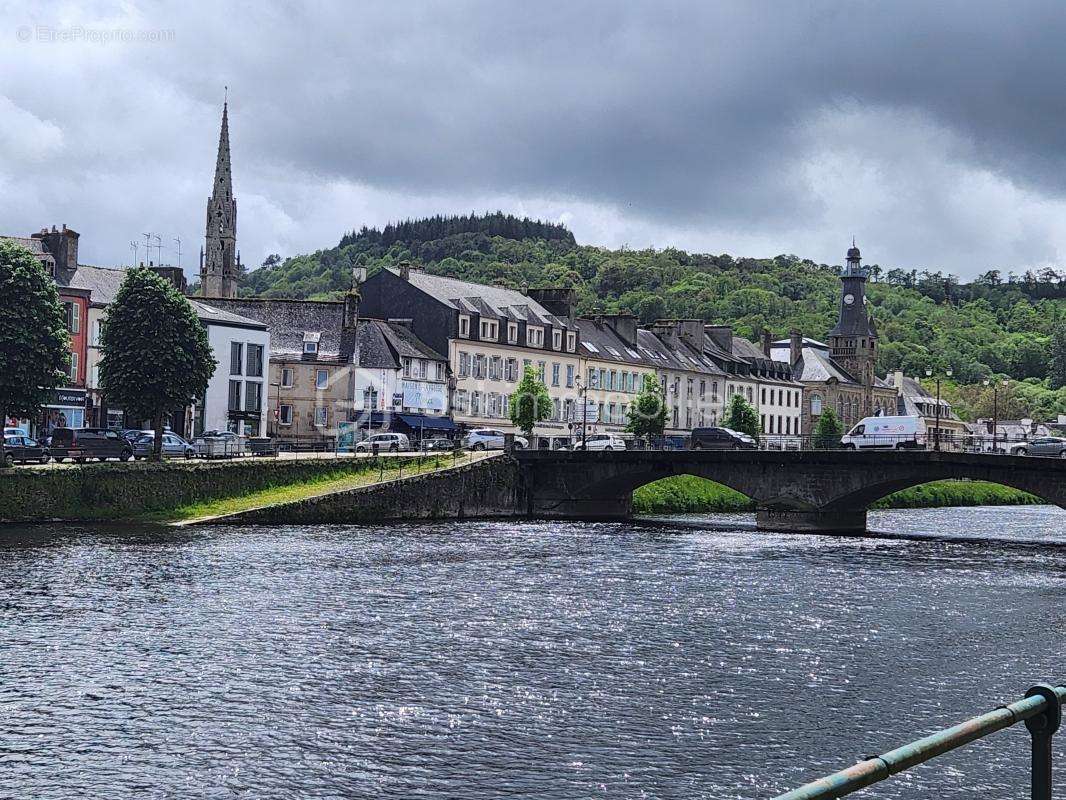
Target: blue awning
(422, 421)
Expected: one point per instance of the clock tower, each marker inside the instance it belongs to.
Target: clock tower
(853, 342)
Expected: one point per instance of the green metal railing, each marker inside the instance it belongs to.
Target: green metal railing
(1040, 710)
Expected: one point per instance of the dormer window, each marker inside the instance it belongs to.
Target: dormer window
(490, 330)
(464, 326)
(535, 336)
(557, 340)
(311, 340)
(571, 342)
(512, 332)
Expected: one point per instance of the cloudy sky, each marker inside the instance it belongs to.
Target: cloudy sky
(934, 133)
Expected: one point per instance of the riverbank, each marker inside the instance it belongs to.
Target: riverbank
(175, 491)
(686, 494)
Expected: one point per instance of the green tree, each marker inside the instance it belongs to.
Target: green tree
(647, 412)
(1058, 356)
(530, 402)
(156, 355)
(828, 431)
(740, 416)
(34, 343)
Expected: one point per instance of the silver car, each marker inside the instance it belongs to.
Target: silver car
(386, 443)
(1053, 446)
(173, 446)
(490, 439)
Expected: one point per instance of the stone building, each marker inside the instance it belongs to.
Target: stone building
(220, 261)
(840, 375)
(914, 400)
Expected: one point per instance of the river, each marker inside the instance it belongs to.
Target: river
(694, 658)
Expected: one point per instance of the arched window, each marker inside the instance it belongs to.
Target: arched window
(840, 406)
(816, 405)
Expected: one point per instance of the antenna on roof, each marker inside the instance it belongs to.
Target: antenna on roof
(178, 240)
(135, 246)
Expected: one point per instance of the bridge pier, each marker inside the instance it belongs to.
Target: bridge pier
(791, 521)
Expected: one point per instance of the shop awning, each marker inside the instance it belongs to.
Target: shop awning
(425, 422)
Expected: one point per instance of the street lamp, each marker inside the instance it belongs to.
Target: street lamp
(995, 406)
(582, 390)
(936, 430)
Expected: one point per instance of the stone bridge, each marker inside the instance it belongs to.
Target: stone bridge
(814, 490)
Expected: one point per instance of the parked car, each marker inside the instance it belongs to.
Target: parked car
(132, 434)
(436, 444)
(173, 446)
(490, 439)
(386, 442)
(600, 441)
(23, 449)
(886, 433)
(15, 432)
(81, 444)
(1054, 446)
(720, 439)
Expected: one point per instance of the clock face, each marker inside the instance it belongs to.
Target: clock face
(849, 299)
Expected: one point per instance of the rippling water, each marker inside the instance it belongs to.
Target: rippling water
(692, 658)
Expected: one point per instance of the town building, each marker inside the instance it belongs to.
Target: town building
(914, 400)
(331, 370)
(220, 261)
(489, 334)
(840, 375)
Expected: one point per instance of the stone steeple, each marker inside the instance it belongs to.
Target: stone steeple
(220, 262)
(853, 341)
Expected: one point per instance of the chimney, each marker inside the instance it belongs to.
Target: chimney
(172, 275)
(795, 347)
(351, 310)
(897, 379)
(405, 270)
(767, 343)
(559, 301)
(691, 332)
(63, 245)
(721, 335)
(624, 325)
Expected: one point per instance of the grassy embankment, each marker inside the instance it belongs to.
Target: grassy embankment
(304, 489)
(690, 495)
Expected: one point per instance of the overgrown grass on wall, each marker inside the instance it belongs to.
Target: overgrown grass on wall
(686, 494)
(122, 491)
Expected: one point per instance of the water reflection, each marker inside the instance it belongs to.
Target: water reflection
(696, 658)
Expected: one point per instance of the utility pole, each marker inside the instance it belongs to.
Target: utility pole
(177, 239)
(147, 246)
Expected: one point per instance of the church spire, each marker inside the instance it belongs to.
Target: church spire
(218, 272)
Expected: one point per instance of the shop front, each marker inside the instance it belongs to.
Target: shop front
(65, 408)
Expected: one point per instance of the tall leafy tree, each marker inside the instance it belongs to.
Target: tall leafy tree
(34, 343)
(530, 402)
(647, 412)
(1058, 356)
(827, 431)
(156, 355)
(741, 416)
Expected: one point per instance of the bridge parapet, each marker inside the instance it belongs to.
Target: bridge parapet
(800, 490)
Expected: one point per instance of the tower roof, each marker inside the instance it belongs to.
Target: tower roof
(223, 188)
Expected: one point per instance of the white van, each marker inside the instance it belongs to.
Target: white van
(886, 433)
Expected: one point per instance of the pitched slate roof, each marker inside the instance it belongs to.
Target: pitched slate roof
(289, 320)
(35, 246)
(102, 282)
(475, 298)
(216, 316)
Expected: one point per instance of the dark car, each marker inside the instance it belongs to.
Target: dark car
(436, 443)
(23, 449)
(720, 439)
(173, 446)
(81, 444)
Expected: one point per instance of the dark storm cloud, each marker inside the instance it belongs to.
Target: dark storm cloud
(933, 129)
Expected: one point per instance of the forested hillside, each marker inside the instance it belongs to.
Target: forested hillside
(999, 325)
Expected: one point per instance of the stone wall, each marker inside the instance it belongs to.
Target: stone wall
(487, 488)
(114, 491)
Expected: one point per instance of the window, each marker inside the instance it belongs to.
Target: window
(603, 378)
(535, 336)
(489, 330)
(255, 361)
(493, 404)
(286, 378)
(406, 367)
(593, 381)
(762, 396)
(475, 404)
(557, 340)
(321, 378)
(495, 367)
(236, 358)
(511, 369)
(571, 341)
(310, 347)
(512, 332)
(556, 409)
(462, 401)
(73, 368)
(464, 364)
(94, 335)
(285, 415)
(610, 412)
(479, 366)
(555, 373)
(321, 416)
(234, 395)
(96, 376)
(464, 326)
(570, 376)
(688, 387)
(253, 396)
(612, 380)
(370, 398)
(541, 366)
(73, 312)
